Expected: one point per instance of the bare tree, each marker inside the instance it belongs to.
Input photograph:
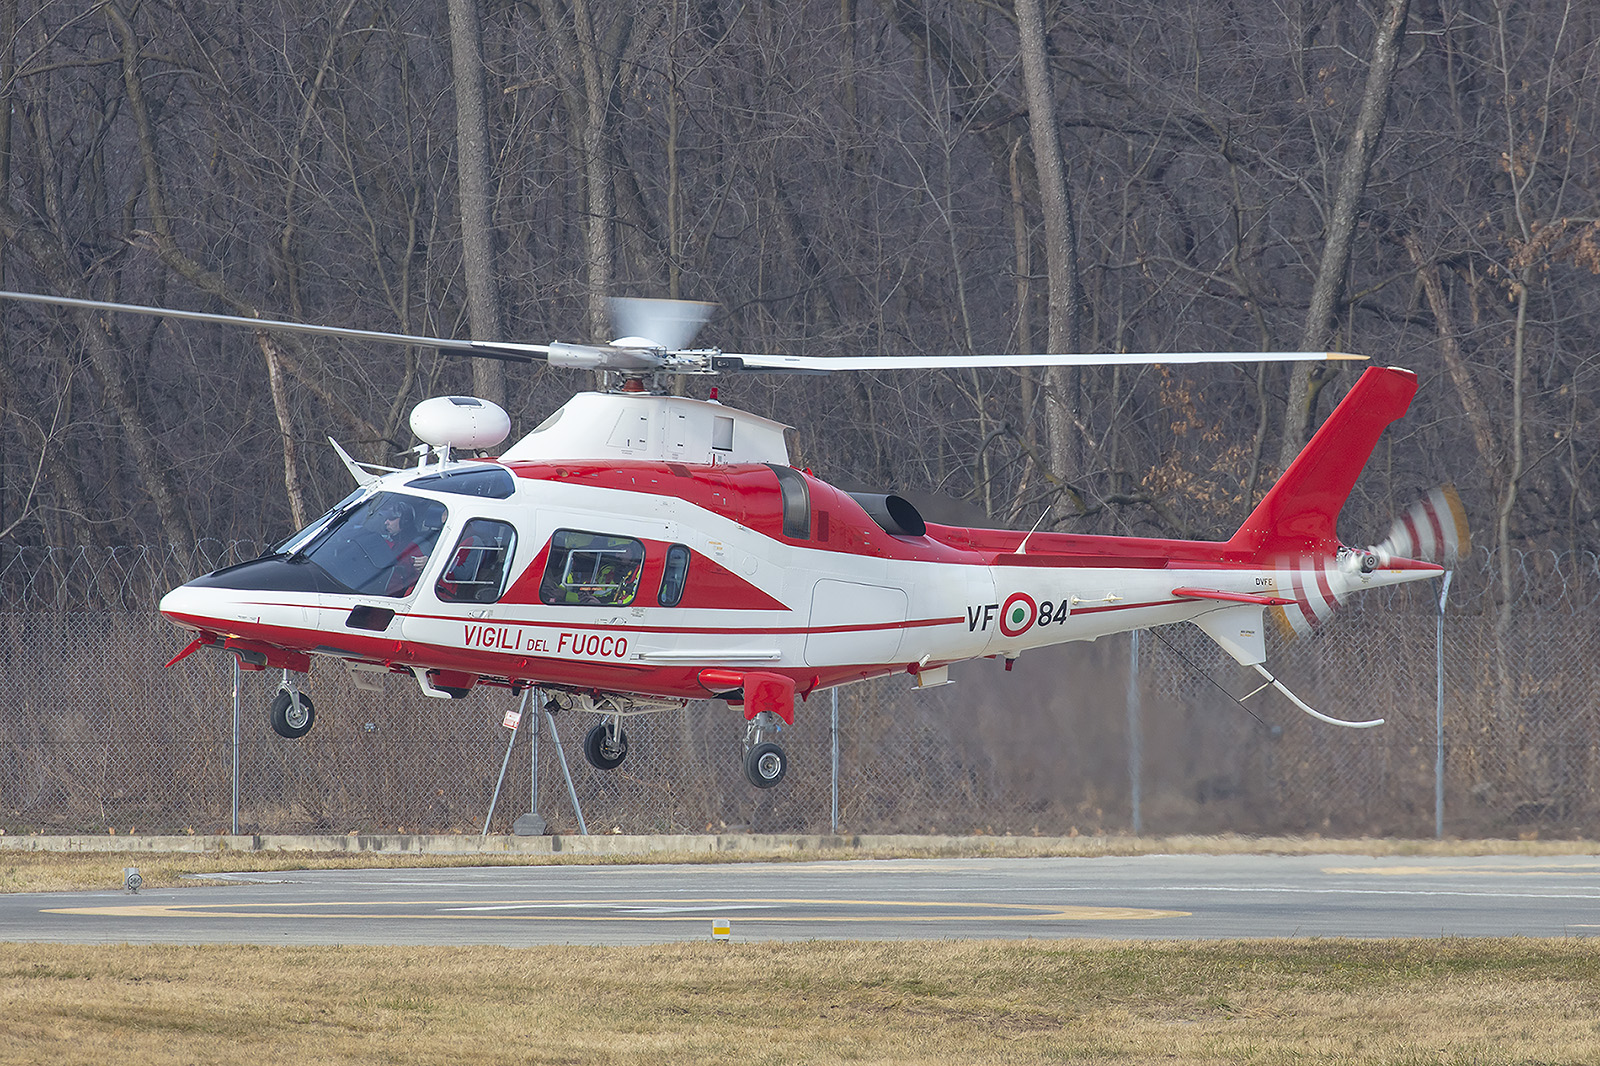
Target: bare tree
(1361, 148)
(1063, 328)
(474, 181)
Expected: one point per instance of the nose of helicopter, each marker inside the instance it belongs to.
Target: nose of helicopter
(273, 592)
(228, 595)
(192, 606)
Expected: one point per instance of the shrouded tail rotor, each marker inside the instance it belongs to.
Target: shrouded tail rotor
(1433, 530)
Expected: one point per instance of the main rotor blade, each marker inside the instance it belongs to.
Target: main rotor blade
(516, 353)
(675, 318)
(822, 364)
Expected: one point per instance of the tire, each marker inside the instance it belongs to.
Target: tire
(602, 751)
(292, 719)
(765, 765)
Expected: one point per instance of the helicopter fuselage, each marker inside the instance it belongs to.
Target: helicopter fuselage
(636, 576)
(637, 551)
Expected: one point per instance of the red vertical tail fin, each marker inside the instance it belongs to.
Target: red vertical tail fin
(1298, 514)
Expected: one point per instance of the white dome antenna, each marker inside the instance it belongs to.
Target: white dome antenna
(459, 422)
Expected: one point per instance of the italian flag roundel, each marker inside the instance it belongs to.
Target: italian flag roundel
(1017, 614)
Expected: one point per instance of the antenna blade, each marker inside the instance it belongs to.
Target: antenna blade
(358, 469)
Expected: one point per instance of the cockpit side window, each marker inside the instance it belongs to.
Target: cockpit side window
(380, 547)
(674, 575)
(591, 568)
(480, 563)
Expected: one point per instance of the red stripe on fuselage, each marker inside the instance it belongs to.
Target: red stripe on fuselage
(675, 680)
(748, 493)
(542, 623)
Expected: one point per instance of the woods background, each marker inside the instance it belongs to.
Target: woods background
(1413, 180)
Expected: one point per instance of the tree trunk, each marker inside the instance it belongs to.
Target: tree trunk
(592, 67)
(475, 186)
(1450, 349)
(1061, 242)
(291, 450)
(1306, 379)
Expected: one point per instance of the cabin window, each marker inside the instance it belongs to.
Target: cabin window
(673, 576)
(796, 502)
(591, 568)
(378, 548)
(479, 564)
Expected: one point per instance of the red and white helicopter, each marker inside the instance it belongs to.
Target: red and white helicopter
(639, 550)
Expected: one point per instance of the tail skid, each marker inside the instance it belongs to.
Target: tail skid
(1237, 630)
(1273, 682)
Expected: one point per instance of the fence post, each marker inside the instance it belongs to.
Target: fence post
(835, 734)
(1438, 713)
(533, 757)
(236, 684)
(532, 824)
(1135, 734)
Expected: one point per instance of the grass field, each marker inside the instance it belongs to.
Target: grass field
(1437, 1001)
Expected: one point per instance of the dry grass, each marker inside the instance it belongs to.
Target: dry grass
(55, 871)
(1446, 1001)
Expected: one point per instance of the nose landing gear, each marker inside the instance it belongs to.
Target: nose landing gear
(291, 711)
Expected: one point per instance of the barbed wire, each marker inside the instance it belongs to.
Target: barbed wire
(127, 577)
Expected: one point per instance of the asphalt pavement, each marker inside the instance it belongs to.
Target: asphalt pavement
(1159, 897)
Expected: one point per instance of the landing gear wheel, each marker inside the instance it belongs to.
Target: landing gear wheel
(765, 765)
(292, 714)
(604, 750)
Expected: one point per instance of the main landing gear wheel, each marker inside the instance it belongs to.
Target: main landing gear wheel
(292, 714)
(765, 765)
(605, 746)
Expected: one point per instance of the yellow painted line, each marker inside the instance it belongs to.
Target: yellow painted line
(472, 910)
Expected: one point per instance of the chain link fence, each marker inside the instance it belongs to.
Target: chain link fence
(95, 734)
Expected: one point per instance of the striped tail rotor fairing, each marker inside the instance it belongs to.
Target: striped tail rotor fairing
(1317, 586)
(1433, 529)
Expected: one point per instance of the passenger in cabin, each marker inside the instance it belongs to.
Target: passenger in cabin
(400, 544)
(617, 583)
